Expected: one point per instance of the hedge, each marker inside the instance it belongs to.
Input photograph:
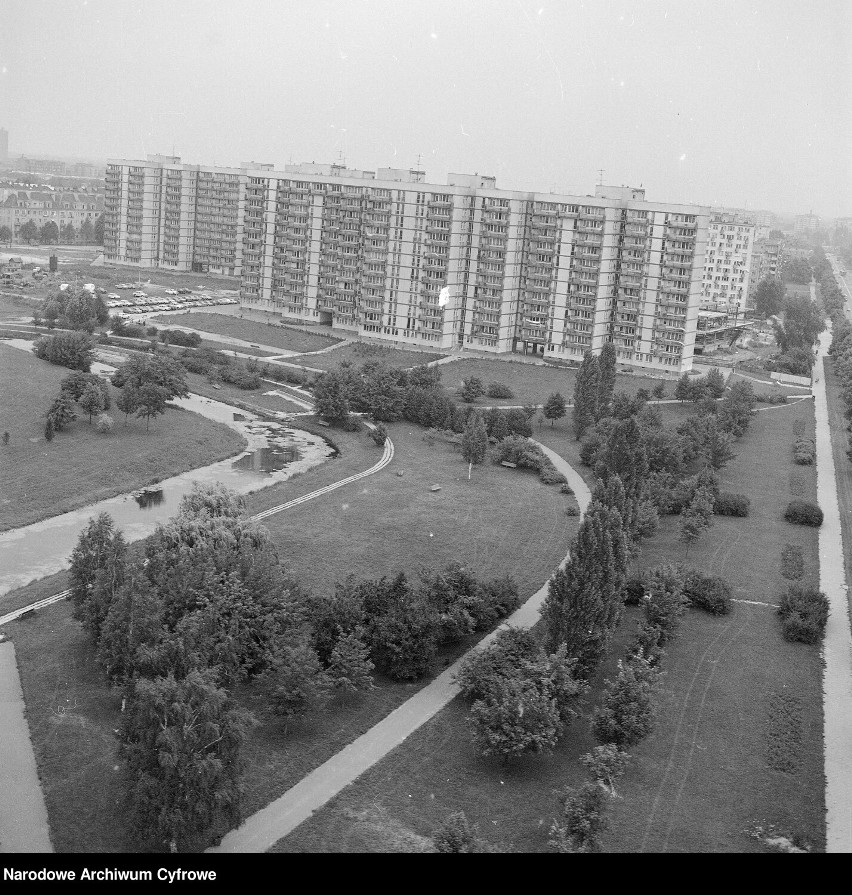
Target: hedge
(708, 592)
(804, 613)
(499, 390)
(802, 512)
(730, 504)
(804, 451)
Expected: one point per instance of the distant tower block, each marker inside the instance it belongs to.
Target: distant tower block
(4, 144)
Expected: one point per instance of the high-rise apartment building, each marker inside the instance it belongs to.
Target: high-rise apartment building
(4, 144)
(806, 223)
(458, 265)
(728, 260)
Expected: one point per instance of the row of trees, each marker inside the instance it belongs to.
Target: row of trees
(71, 308)
(89, 232)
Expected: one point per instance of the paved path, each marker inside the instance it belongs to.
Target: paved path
(262, 830)
(24, 827)
(837, 646)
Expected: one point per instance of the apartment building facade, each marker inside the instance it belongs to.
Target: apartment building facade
(464, 264)
(40, 207)
(728, 260)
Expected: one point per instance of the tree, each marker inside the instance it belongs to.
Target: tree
(331, 397)
(72, 350)
(715, 443)
(28, 232)
(48, 429)
(6, 235)
(5, 438)
(150, 402)
(61, 412)
(295, 683)
(522, 697)
(690, 527)
(99, 229)
(714, 382)
(128, 400)
(92, 401)
(683, 389)
(180, 748)
(554, 407)
(474, 440)
(350, 668)
(117, 325)
(160, 370)
(803, 322)
(583, 604)
(472, 388)
(87, 232)
(586, 393)
(606, 764)
(768, 298)
(96, 543)
(606, 377)
(49, 233)
(627, 713)
(67, 233)
(582, 822)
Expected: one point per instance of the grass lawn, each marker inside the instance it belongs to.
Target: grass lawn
(377, 526)
(80, 467)
(249, 331)
(14, 308)
(739, 733)
(360, 352)
(530, 383)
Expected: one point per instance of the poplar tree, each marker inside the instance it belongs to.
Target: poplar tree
(475, 439)
(606, 377)
(583, 604)
(586, 390)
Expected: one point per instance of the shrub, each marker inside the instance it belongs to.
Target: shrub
(798, 427)
(352, 424)
(708, 592)
(379, 435)
(104, 424)
(583, 820)
(499, 390)
(572, 510)
(804, 451)
(457, 835)
(178, 337)
(566, 489)
(792, 562)
(729, 504)
(803, 512)
(550, 475)
(804, 613)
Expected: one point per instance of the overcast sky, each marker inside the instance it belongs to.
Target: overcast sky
(743, 103)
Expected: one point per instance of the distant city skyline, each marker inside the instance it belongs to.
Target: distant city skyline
(741, 104)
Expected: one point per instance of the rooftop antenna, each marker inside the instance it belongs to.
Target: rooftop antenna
(419, 160)
(601, 172)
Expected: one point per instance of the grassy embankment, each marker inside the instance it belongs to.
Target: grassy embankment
(248, 331)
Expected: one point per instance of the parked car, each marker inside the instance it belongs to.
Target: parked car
(140, 295)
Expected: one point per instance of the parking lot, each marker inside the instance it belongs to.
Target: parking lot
(142, 301)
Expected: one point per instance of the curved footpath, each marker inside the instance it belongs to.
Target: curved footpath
(262, 830)
(837, 646)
